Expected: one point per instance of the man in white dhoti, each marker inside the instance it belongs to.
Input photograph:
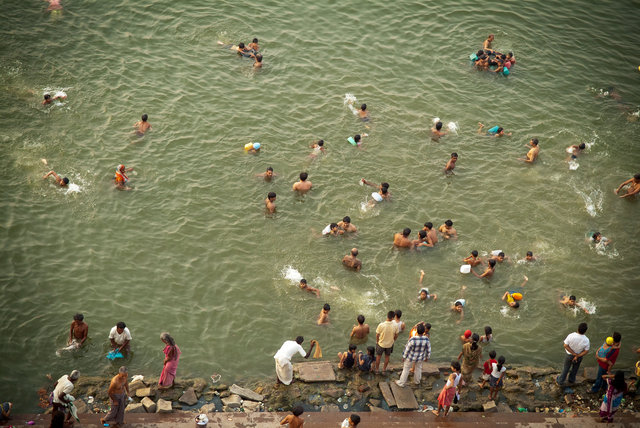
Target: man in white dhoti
(284, 369)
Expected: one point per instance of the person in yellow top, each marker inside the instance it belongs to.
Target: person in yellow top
(386, 335)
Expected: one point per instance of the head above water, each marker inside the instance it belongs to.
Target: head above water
(320, 143)
(420, 329)
(454, 155)
(363, 107)
(406, 232)
(467, 333)
(398, 313)
(636, 177)
(428, 225)
(534, 141)
(474, 253)
(47, 97)
(144, 117)
(78, 317)
(596, 236)
(448, 223)
(422, 233)
(255, 40)
(500, 131)
(354, 252)
(123, 370)
(439, 125)
(346, 219)
(391, 315)
(572, 299)
(259, 58)
(241, 45)
(492, 263)
(121, 325)
(303, 281)
(326, 307)
(617, 337)
(303, 176)
(65, 180)
(529, 254)
(360, 319)
(271, 196)
(357, 138)
(582, 146)
(488, 330)
(333, 226)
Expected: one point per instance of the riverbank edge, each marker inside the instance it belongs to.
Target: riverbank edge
(526, 389)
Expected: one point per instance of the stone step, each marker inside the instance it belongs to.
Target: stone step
(387, 394)
(405, 399)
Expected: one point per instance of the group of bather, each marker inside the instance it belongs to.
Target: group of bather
(492, 60)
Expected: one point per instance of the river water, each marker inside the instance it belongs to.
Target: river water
(190, 249)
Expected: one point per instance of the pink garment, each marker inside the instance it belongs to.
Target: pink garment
(169, 370)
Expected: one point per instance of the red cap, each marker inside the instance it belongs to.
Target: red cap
(467, 333)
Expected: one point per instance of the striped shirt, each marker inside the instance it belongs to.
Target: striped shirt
(417, 348)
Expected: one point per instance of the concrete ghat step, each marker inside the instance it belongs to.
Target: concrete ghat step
(323, 420)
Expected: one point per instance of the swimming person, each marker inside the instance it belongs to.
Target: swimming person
(383, 185)
(62, 182)
(489, 271)
(437, 132)
(424, 294)
(351, 260)
(244, 51)
(600, 240)
(332, 229)
(254, 45)
(533, 152)
(529, 257)
(170, 364)
(346, 225)
(634, 186)
(356, 140)
(576, 149)
(268, 174)
(318, 148)
(458, 307)
(500, 257)
(258, 63)
(304, 286)
(401, 240)
(570, 302)
(302, 186)
(363, 113)
(142, 125)
(512, 300)
(121, 178)
(270, 202)
(323, 318)
(48, 99)
(451, 164)
(448, 231)
(421, 241)
(495, 131)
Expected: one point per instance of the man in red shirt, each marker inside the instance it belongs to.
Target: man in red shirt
(606, 356)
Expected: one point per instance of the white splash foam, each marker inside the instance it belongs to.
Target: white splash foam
(291, 274)
(507, 312)
(573, 165)
(453, 127)
(349, 101)
(592, 201)
(590, 307)
(436, 120)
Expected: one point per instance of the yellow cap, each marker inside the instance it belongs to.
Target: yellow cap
(609, 340)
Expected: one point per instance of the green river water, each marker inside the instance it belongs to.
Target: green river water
(190, 249)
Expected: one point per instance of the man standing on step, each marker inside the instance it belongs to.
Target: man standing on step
(417, 350)
(386, 335)
(576, 345)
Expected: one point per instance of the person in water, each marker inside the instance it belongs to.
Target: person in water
(323, 318)
(432, 235)
(473, 259)
(48, 99)
(496, 131)
(304, 286)
(500, 257)
(633, 189)
(78, 331)
(121, 178)
(570, 302)
(487, 43)
(448, 231)
(529, 257)
(318, 148)
(437, 132)
(451, 164)
(254, 45)
(576, 149)
(488, 273)
(332, 230)
(142, 125)
(346, 225)
(302, 186)
(424, 294)
(270, 202)
(458, 307)
(359, 332)
(534, 150)
(62, 182)
(401, 240)
(244, 51)
(351, 260)
(258, 63)
(268, 175)
(363, 113)
(598, 239)
(356, 140)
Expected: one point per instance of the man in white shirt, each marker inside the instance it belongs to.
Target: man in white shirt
(120, 336)
(576, 345)
(62, 387)
(284, 369)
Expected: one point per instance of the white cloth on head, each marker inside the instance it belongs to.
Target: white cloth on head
(577, 342)
(120, 338)
(462, 302)
(326, 230)
(64, 386)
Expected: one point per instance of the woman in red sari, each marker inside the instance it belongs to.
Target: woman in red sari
(171, 357)
(445, 399)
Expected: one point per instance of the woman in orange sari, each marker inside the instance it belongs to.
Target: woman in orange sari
(171, 358)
